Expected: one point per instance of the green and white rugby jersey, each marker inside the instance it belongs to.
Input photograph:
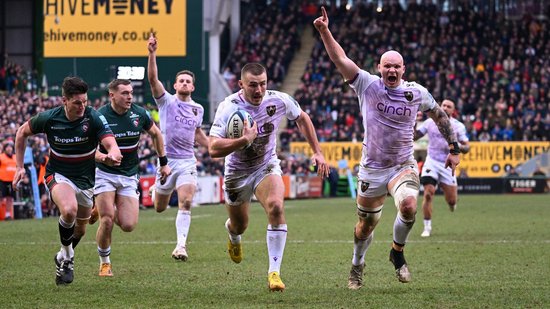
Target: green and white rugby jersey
(72, 143)
(127, 129)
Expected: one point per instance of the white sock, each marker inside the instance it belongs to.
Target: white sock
(276, 241)
(360, 249)
(104, 254)
(401, 229)
(235, 239)
(183, 221)
(152, 193)
(428, 223)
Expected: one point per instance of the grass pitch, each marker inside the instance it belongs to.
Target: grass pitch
(493, 252)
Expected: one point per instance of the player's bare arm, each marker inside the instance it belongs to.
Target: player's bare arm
(443, 123)
(346, 66)
(114, 157)
(306, 128)
(221, 147)
(158, 141)
(201, 138)
(23, 132)
(152, 72)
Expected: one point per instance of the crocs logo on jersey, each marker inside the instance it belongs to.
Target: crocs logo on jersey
(389, 109)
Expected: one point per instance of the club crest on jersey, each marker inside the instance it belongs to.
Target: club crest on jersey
(195, 111)
(135, 122)
(409, 95)
(364, 186)
(85, 127)
(271, 109)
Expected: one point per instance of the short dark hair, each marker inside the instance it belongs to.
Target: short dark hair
(186, 72)
(253, 68)
(73, 85)
(113, 85)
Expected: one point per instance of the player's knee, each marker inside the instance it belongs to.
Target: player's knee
(428, 196)
(185, 204)
(106, 222)
(451, 200)
(407, 207)
(127, 227)
(275, 207)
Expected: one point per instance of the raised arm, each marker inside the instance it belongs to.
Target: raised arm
(346, 66)
(152, 72)
(308, 130)
(23, 132)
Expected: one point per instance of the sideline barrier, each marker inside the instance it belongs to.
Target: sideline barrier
(209, 188)
(501, 185)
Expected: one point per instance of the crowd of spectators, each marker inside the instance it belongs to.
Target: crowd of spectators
(496, 69)
(270, 35)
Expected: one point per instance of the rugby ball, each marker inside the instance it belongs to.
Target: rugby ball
(235, 123)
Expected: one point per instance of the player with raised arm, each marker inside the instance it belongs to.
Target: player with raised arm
(180, 123)
(116, 188)
(433, 170)
(74, 131)
(389, 106)
(251, 163)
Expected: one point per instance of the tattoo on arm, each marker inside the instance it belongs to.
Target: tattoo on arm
(443, 123)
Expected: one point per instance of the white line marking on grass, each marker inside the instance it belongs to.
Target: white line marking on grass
(297, 241)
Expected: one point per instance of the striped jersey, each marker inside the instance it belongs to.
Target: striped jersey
(72, 143)
(127, 129)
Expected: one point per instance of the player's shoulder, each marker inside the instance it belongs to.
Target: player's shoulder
(275, 95)
(457, 123)
(194, 104)
(413, 85)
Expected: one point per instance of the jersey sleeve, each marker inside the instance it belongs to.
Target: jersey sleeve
(100, 123)
(37, 123)
(428, 102)
(461, 135)
(162, 99)
(363, 81)
(147, 120)
(293, 109)
(219, 125)
(200, 116)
